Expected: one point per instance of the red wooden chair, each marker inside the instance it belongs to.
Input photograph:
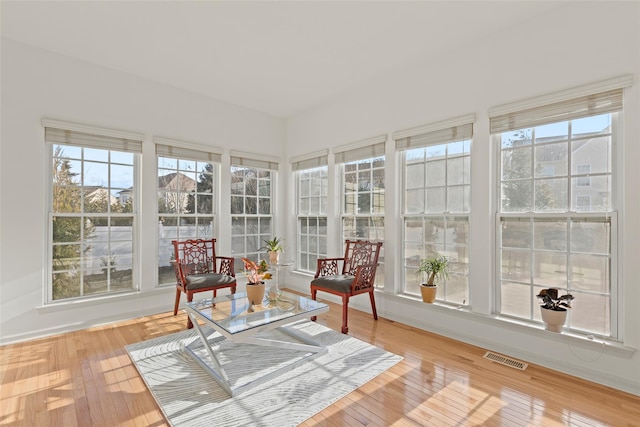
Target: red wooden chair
(198, 269)
(356, 277)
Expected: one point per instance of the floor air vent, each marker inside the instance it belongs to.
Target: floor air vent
(504, 360)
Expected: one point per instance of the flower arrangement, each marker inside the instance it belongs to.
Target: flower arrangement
(256, 272)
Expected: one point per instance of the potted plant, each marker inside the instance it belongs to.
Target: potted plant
(255, 284)
(436, 267)
(273, 248)
(554, 308)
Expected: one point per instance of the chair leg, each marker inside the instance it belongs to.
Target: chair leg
(345, 311)
(175, 306)
(314, 293)
(373, 305)
(189, 299)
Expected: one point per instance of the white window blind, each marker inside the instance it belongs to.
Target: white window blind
(582, 101)
(56, 132)
(182, 150)
(584, 106)
(365, 149)
(434, 135)
(309, 161)
(239, 158)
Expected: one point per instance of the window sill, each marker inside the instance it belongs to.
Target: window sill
(570, 338)
(128, 296)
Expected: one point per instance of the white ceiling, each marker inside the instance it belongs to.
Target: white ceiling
(277, 57)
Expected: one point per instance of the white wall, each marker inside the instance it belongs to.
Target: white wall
(37, 84)
(577, 44)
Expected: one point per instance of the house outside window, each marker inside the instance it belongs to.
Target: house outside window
(92, 227)
(436, 185)
(187, 191)
(554, 231)
(312, 186)
(583, 181)
(252, 205)
(363, 194)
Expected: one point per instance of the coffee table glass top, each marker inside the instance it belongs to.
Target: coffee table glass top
(233, 314)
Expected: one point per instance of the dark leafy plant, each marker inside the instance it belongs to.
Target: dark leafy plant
(551, 300)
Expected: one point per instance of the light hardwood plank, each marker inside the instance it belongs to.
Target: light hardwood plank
(86, 378)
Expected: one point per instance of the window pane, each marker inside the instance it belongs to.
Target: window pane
(516, 196)
(591, 125)
(550, 269)
(516, 265)
(516, 163)
(414, 176)
(551, 195)
(92, 254)
(591, 313)
(436, 200)
(551, 160)
(552, 132)
(516, 300)
(436, 173)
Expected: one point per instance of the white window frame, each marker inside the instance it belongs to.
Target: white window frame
(366, 150)
(443, 133)
(312, 243)
(81, 136)
(184, 152)
(565, 100)
(253, 240)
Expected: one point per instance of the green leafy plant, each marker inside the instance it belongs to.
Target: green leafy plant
(273, 245)
(551, 300)
(436, 267)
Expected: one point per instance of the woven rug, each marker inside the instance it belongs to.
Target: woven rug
(189, 396)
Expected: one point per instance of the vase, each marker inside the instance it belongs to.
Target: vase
(273, 291)
(553, 319)
(255, 293)
(273, 257)
(428, 293)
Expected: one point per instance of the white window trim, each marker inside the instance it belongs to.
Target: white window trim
(47, 298)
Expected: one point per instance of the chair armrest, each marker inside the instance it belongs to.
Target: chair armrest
(328, 267)
(226, 265)
(177, 268)
(365, 277)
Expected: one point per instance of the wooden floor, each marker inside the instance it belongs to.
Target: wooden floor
(86, 378)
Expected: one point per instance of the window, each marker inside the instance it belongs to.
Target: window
(92, 215)
(312, 184)
(362, 166)
(556, 230)
(252, 203)
(187, 191)
(436, 184)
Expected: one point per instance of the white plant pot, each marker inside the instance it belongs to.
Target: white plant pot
(553, 320)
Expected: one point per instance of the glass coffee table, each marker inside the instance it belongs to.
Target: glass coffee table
(232, 325)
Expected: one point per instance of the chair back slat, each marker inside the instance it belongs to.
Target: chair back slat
(360, 252)
(196, 256)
